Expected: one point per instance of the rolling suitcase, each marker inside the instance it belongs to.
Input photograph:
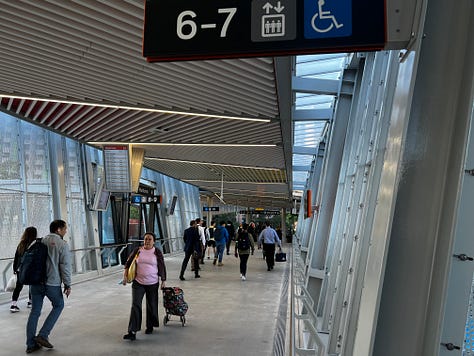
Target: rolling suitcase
(173, 301)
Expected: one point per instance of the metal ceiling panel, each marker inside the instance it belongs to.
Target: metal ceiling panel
(59, 59)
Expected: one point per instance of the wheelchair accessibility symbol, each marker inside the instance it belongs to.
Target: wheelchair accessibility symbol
(327, 18)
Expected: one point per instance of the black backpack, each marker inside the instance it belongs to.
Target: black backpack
(218, 235)
(32, 268)
(243, 242)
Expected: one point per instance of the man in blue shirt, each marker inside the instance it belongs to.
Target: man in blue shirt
(221, 236)
(269, 237)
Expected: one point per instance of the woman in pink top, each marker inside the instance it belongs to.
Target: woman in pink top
(150, 268)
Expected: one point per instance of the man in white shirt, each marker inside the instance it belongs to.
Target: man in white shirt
(202, 238)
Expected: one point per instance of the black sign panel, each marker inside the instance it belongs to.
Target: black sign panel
(211, 29)
(257, 212)
(210, 208)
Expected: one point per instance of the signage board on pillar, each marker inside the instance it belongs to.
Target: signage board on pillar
(210, 29)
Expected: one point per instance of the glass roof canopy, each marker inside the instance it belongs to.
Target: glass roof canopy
(308, 133)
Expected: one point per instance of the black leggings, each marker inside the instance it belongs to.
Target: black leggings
(16, 292)
(243, 263)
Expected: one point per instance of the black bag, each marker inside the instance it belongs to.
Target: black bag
(280, 257)
(243, 242)
(32, 268)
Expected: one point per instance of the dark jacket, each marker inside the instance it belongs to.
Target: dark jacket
(16, 261)
(192, 242)
(231, 231)
(160, 262)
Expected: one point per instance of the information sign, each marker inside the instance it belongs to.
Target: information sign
(210, 208)
(207, 29)
(260, 211)
(117, 168)
(137, 199)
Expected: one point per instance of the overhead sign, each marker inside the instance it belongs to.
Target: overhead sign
(260, 211)
(210, 208)
(140, 199)
(145, 190)
(207, 29)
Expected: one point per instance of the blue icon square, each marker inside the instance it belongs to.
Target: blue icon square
(327, 18)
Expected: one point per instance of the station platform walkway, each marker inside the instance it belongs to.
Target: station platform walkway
(226, 316)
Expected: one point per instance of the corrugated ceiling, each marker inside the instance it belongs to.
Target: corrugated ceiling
(61, 58)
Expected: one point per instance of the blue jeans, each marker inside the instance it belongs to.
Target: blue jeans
(38, 292)
(220, 251)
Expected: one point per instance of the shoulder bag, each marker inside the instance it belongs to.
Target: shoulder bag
(132, 270)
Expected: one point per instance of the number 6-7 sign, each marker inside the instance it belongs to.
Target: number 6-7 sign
(211, 29)
(187, 28)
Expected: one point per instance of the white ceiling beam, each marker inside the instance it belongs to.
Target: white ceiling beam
(313, 115)
(299, 150)
(315, 85)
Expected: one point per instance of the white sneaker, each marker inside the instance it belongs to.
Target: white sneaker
(28, 305)
(243, 278)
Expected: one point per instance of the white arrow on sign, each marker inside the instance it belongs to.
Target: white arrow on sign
(267, 7)
(279, 8)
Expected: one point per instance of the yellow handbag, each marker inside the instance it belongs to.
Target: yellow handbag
(132, 270)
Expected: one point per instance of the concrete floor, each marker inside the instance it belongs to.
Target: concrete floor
(226, 316)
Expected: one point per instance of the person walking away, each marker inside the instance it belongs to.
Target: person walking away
(211, 243)
(207, 236)
(252, 231)
(29, 235)
(202, 237)
(192, 248)
(150, 269)
(221, 236)
(231, 231)
(58, 271)
(243, 245)
(269, 238)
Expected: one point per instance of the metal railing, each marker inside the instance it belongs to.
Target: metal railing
(108, 255)
(306, 340)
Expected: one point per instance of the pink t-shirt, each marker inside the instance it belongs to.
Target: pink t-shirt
(147, 269)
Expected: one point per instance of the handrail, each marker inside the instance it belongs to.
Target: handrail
(91, 248)
(105, 250)
(305, 337)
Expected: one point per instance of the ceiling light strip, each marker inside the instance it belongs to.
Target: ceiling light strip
(179, 144)
(135, 108)
(213, 164)
(233, 182)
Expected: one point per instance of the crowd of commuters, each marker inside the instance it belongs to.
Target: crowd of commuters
(149, 270)
(218, 238)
